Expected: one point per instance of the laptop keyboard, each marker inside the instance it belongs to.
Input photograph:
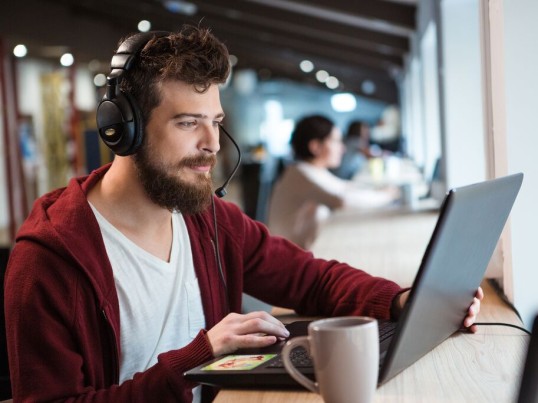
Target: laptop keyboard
(386, 329)
(301, 359)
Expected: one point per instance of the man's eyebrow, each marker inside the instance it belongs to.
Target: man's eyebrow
(196, 115)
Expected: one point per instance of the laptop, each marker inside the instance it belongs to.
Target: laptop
(528, 388)
(469, 225)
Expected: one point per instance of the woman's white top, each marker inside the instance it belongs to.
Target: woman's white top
(304, 196)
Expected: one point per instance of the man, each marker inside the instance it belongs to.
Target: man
(125, 279)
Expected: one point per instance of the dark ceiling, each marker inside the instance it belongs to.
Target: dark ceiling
(353, 40)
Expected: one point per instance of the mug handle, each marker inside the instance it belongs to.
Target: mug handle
(294, 373)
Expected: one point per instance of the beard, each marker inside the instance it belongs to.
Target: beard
(167, 189)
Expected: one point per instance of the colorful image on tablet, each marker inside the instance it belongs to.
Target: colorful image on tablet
(238, 362)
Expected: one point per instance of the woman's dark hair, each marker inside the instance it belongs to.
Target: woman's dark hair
(192, 55)
(355, 128)
(309, 128)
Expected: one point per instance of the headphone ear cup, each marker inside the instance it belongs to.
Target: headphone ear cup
(120, 125)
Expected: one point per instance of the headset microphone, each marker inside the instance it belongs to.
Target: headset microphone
(221, 191)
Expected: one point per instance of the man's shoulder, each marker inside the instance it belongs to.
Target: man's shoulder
(60, 210)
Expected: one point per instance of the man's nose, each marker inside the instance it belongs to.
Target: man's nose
(210, 141)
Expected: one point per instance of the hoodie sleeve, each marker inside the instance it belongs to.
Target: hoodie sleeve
(278, 272)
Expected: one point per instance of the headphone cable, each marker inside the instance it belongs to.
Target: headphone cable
(219, 263)
(502, 324)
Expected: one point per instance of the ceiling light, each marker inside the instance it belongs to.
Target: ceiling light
(343, 102)
(322, 76)
(67, 59)
(368, 87)
(20, 51)
(180, 7)
(233, 60)
(307, 66)
(332, 83)
(144, 26)
(99, 80)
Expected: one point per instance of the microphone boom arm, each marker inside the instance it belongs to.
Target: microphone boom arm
(221, 191)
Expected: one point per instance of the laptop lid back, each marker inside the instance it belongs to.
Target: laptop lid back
(468, 228)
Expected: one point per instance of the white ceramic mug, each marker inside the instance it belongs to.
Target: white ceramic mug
(345, 351)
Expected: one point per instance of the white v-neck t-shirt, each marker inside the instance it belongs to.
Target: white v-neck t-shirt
(160, 302)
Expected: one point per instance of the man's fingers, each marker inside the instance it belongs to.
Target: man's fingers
(255, 329)
(255, 340)
(258, 325)
(480, 293)
(473, 311)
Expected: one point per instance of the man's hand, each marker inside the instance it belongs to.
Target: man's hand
(253, 330)
(473, 311)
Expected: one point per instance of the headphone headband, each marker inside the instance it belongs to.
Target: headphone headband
(131, 47)
(119, 120)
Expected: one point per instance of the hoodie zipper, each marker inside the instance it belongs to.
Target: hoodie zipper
(112, 334)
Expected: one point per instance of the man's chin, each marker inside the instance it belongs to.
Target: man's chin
(192, 177)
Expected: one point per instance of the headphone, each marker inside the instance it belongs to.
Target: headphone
(119, 119)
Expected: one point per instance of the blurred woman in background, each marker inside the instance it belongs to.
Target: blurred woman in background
(307, 191)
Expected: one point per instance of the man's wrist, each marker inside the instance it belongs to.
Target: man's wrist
(397, 304)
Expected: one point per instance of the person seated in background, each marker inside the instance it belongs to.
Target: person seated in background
(358, 150)
(386, 133)
(307, 191)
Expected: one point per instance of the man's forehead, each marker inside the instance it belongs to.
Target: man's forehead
(186, 101)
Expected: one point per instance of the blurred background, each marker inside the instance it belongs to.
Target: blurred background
(289, 59)
(447, 85)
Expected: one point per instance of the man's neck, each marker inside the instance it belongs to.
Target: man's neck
(121, 200)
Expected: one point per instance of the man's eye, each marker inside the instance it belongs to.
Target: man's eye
(187, 123)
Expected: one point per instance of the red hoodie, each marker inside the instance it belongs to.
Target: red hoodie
(62, 312)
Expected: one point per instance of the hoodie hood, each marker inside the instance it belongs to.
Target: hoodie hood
(63, 221)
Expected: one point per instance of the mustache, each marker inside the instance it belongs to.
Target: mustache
(198, 160)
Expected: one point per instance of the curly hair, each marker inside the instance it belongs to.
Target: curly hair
(192, 55)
